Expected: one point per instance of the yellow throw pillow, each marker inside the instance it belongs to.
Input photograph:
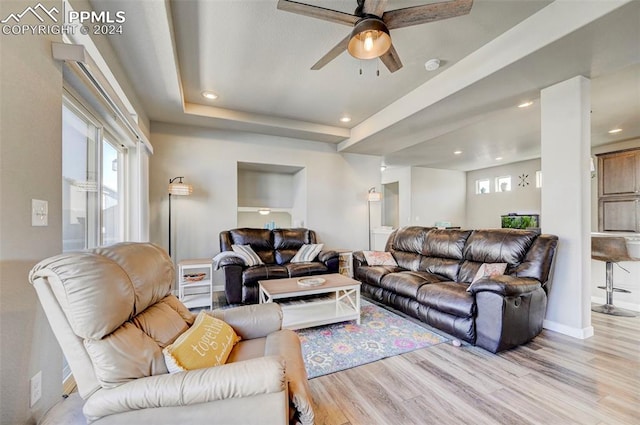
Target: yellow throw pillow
(207, 343)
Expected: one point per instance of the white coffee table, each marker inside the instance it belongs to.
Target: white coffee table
(338, 300)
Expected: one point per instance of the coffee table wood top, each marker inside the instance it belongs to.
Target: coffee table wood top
(334, 281)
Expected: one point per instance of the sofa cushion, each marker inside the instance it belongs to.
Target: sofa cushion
(305, 269)
(443, 266)
(259, 239)
(498, 245)
(134, 350)
(407, 260)
(287, 242)
(407, 283)
(292, 238)
(409, 239)
(265, 271)
(445, 243)
(374, 274)
(448, 297)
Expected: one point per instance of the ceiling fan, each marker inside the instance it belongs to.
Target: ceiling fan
(370, 36)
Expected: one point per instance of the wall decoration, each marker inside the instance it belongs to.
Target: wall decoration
(524, 180)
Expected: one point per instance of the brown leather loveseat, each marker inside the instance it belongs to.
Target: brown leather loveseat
(275, 248)
(433, 282)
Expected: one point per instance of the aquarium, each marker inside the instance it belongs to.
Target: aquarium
(520, 221)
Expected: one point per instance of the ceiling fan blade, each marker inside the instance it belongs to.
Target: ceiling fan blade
(416, 15)
(333, 53)
(317, 12)
(391, 60)
(374, 7)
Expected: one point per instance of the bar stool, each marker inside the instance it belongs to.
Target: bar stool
(611, 250)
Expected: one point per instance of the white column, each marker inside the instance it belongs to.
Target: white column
(566, 196)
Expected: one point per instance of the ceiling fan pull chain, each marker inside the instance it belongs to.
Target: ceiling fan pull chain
(360, 67)
(377, 68)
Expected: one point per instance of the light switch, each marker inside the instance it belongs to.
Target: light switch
(39, 212)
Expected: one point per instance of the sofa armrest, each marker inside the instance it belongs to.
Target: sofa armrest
(359, 259)
(228, 258)
(242, 379)
(252, 321)
(230, 261)
(327, 255)
(505, 285)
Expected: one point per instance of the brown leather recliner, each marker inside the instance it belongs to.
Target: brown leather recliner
(275, 248)
(112, 311)
(433, 282)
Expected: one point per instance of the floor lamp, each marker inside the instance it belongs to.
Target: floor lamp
(372, 196)
(178, 189)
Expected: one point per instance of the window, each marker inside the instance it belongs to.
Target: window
(503, 184)
(93, 170)
(112, 188)
(538, 179)
(483, 186)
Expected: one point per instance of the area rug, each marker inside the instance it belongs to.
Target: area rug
(381, 333)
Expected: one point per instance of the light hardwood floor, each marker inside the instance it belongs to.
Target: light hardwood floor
(552, 380)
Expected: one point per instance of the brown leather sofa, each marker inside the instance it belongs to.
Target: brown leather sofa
(275, 248)
(432, 282)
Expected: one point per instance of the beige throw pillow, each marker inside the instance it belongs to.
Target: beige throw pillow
(207, 343)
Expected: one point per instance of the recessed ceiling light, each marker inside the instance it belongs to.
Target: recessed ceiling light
(615, 130)
(345, 119)
(209, 95)
(457, 152)
(525, 104)
(432, 64)
(498, 158)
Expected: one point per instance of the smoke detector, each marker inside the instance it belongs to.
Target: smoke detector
(432, 64)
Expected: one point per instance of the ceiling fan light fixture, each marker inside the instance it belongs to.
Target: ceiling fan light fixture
(370, 39)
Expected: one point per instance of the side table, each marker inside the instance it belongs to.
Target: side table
(197, 273)
(345, 262)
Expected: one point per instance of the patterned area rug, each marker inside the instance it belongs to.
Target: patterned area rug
(381, 334)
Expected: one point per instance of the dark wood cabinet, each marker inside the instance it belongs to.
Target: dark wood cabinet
(619, 191)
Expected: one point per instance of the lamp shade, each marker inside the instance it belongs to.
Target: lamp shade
(370, 39)
(180, 189)
(374, 196)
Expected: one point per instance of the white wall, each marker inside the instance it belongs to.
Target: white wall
(257, 220)
(437, 195)
(402, 175)
(30, 168)
(484, 210)
(262, 189)
(336, 186)
(427, 195)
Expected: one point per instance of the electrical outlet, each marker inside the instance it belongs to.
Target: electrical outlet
(36, 388)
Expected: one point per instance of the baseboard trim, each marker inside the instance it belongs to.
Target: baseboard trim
(583, 333)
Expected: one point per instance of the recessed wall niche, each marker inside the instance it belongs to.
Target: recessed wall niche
(271, 195)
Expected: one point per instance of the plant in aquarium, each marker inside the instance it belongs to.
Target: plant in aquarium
(519, 221)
